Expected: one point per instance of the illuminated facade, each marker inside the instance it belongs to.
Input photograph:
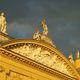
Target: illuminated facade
(34, 59)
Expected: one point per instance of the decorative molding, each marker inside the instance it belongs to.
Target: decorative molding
(7, 74)
(26, 61)
(43, 56)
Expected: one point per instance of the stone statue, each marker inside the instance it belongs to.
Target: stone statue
(77, 55)
(71, 58)
(3, 23)
(37, 35)
(44, 36)
(45, 27)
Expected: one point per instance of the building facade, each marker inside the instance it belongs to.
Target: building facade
(34, 59)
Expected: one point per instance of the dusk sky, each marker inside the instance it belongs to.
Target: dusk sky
(62, 17)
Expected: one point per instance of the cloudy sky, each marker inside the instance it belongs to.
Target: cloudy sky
(62, 16)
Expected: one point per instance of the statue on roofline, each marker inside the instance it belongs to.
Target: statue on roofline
(44, 35)
(71, 58)
(37, 35)
(45, 27)
(3, 23)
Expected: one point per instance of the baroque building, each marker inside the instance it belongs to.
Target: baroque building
(34, 59)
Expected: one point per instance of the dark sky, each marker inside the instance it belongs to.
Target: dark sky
(62, 17)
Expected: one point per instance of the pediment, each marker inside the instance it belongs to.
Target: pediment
(42, 53)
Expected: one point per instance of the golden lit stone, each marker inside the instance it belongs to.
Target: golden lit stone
(34, 59)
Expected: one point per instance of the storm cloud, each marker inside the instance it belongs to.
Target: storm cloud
(62, 16)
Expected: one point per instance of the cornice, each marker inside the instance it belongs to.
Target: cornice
(18, 42)
(28, 62)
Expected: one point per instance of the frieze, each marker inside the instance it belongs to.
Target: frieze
(42, 56)
(27, 61)
(32, 51)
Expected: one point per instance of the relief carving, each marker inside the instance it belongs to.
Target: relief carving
(42, 56)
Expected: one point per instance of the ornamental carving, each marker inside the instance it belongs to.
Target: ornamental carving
(42, 56)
